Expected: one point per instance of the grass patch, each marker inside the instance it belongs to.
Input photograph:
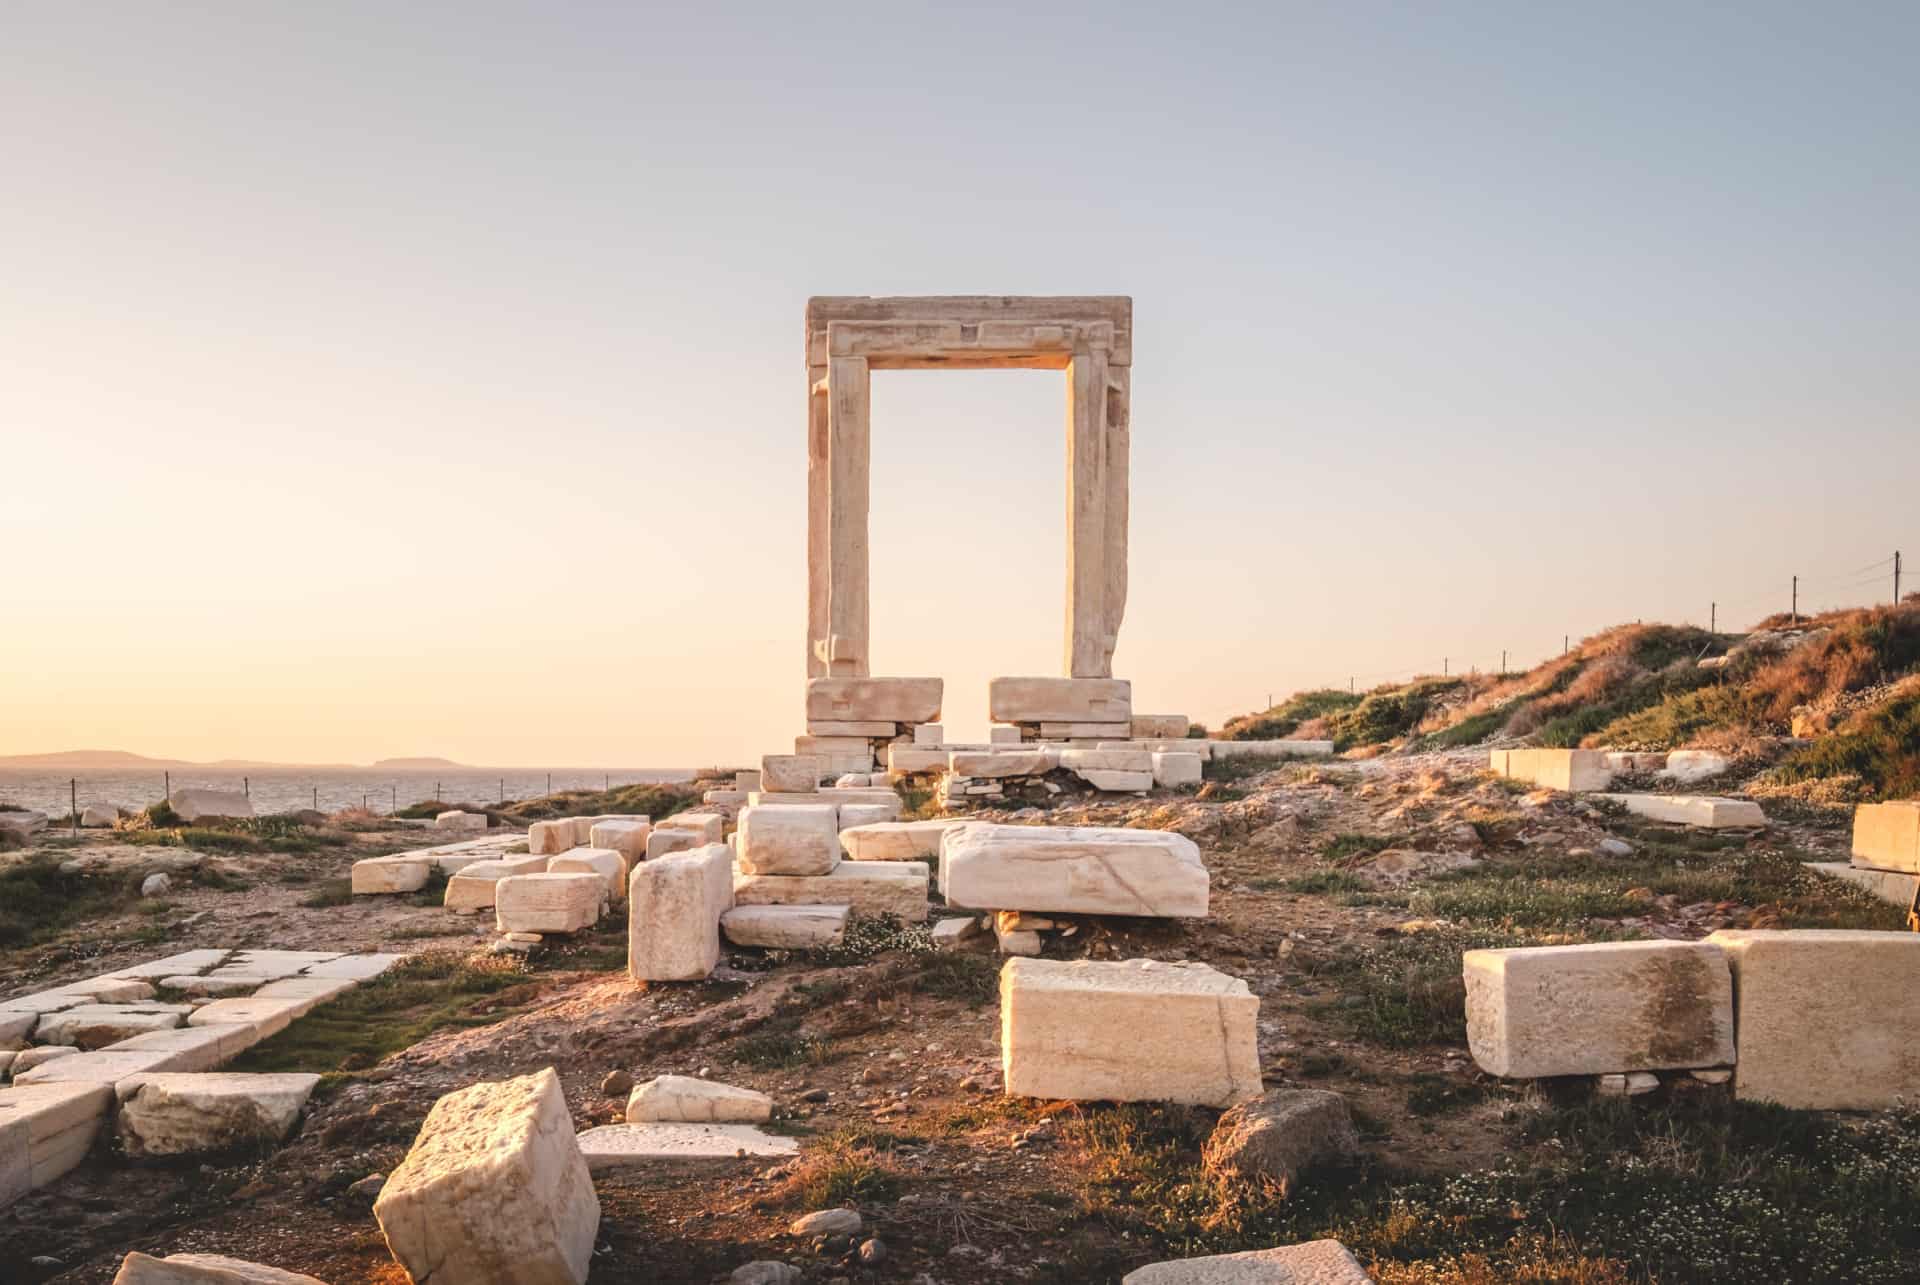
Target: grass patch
(1387, 713)
(334, 892)
(1350, 847)
(1317, 882)
(434, 891)
(1282, 719)
(845, 1168)
(38, 902)
(868, 938)
(1881, 746)
(771, 1050)
(656, 800)
(399, 1008)
(956, 975)
(1404, 992)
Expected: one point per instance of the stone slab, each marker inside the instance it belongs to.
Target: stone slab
(187, 961)
(1074, 870)
(494, 1189)
(1599, 1008)
(1149, 727)
(93, 1026)
(549, 903)
(870, 888)
(619, 1146)
(39, 1126)
(358, 968)
(203, 1269)
(1895, 886)
(1117, 782)
(1127, 760)
(189, 1048)
(458, 820)
(992, 764)
(103, 1066)
(376, 876)
(896, 840)
(666, 842)
(1313, 1262)
(871, 730)
(1090, 732)
(710, 826)
(1886, 836)
(892, 700)
(174, 1113)
(791, 773)
(1172, 746)
(1129, 1031)
(309, 992)
(1172, 770)
(925, 734)
(1698, 810)
(1569, 770)
(674, 906)
(907, 760)
(1828, 1019)
(266, 1017)
(859, 814)
(1060, 700)
(785, 927)
(778, 839)
(610, 865)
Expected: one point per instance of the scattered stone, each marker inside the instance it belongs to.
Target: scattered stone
(1074, 869)
(952, 934)
(786, 927)
(608, 863)
(1277, 1138)
(674, 908)
(549, 903)
(1129, 1031)
(192, 805)
(45, 1130)
(203, 1269)
(684, 1099)
(1598, 1008)
(1698, 810)
(368, 1187)
(174, 1114)
(40, 1055)
(784, 839)
(459, 820)
(1686, 767)
(870, 888)
(494, 1188)
(375, 876)
(92, 1026)
(765, 1272)
(476, 887)
(22, 824)
(1615, 848)
(1886, 836)
(617, 1146)
(1713, 1075)
(827, 1222)
(1572, 771)
(100, 816)
(873, 1252)
(156, 885)
(1314, 1262)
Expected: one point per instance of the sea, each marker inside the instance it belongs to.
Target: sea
(328, 789)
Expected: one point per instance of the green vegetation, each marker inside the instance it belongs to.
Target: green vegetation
(1404, 992)
(655, 800)
(334, 892)
(38, 902)
(401, 1007)
(776, 1049)
(1388, 713)
(1348, 847)
(1282, 719)
(1880, 746)
(846, 1168)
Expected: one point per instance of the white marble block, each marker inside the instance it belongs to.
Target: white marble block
(1598, 1008)
(1886, 836)
(628, 838)
(663, 841)
(869, 888)
(1074, 869)
(893, 700)
(929, 734)
(458, 820)
(1701, 811)
(374, 876)
(192, 805)
(45, 1130)
(687, 1100)
(494, 1189)
(785, 927)
(608, 863)
(856, 814)
(1158, 727)
(1060, 700)
(544, 838)
(791, 773)
(1129, 1031)
(188, 1113)
(1312, 1262)
(674, 904)
(203, 1269)
(783, 839)
(1570, 770)
(710, 826)
(1171, 770)
(473, 886)
(549, 903)
(896, 840)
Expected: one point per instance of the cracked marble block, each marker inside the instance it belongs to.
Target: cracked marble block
(1074, 870)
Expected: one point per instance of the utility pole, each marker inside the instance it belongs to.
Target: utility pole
(169, 778)
(246, 787)
(1713, 618)
(1566, 643)
(1349, 685)
(73, 801)
(1896, 577)
(1443, 667)
(1503, 662)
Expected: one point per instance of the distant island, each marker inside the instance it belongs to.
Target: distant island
(123, 761)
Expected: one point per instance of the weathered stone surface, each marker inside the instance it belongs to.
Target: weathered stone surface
(1894, 886)
(710, 826)
(1074, 869)
(310, 992)
(1277, 1138)
(674, 909)
(458, 820)
(1117, 782)
(605, 862)
(1634, 761)
(870, 887)
(377, 875)
(171, 1114)
(203, 1269)
(883, 731)
(1000, 735)
(45, 1130)
(188, 1048)
(545, 838)
(1128, 760)
(24, 824)
(1828, 1019)
(1176, 745)
(895, 840)
(187, 961)
(549, 903)
(200, 804)
(1156, 727)
(1689, 766)
(781, 839)
(666, 841)
(893, 700)
(1313, 1262)
(477, 886)
(40, 1055)
(1176, 769)
(1571, 770)
(619, 1146)
(1701, 811)
(724, 798)
(1060, 700)
(907, 760)
(494, 1189)
(999, 763)
(1886, 836)
(858, 814)
(358, 968)
(110, 990)
(785, 927)
(792, 773)
(686, 1100)
(102, 1066)
(1085, 732)
(952, 934)
(1597, 1008)
(99, 816)
(266, 1017)
(92, 1026)
(925, 734)
(746, 779)
(1129, 1031)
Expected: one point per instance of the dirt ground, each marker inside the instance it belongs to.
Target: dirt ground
(887, 1066)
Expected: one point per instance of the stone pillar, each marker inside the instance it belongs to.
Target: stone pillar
(1097, 503)
(849, 441)
(818, 507)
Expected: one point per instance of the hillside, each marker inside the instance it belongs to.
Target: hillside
(1825, 708)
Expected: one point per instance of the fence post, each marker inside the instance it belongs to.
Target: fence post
(73, 801)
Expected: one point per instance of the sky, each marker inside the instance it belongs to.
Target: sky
(428, 379)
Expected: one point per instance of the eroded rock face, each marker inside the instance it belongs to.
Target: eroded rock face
(1279, 1137)
(495, 1189)
(189, 1113)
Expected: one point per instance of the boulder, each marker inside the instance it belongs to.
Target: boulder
(549, 903)
(1685, 767)
(784, 839)
(786, 927)
(495, 1188)
(1600, 1007)
(1313, 1262)
(173, 1114)
(674, 904)
(826, 1222)
(1074, 869)
(203, 1269)
(192, 805)
(687, 1100)
(1275, 1139)
(1129, 1031)
(157, 884)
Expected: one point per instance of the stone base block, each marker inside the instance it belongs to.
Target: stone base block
(549, 903)
(1153, 727)
(1117, 782)
(785, 927)
(45, 1130)
(710, 826)
(895, 840)
(1074, 870)
(1594, 1009)
(174, 1114)
(1570, 770)
(866, 730)
(377, 875)
(792, 773)
(545, 838)
(494, 1189)
(989, 764)
(1886, 836)
(860, 814)
(869, 888)
(674, 906)
(1132, 1031)
(1093, 733)
(1827, 1019)
(777, 839)
(1172, 770)
(628, 838)
(1061, 700)
(610, 865)
(1697, 810)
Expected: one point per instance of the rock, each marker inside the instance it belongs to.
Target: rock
(203, 1269)
(619, 1146)
(873, 1252)
(1685, 767)
(495, 1188)
(1074, 869)
(100, 816)
(156, 885)
(458, 820)
(783, 839)
(827, 1222)
(367, 1188)
(192, 805)
(1015, 941)
(686, 1100)
(870, 888)
(1698, 810)
(1129, 1031)
(617, 1084)
(476, 886)
(795, 773)
(1314, 1262)
(666, 842)
(951, 934)
(40, 1055)
(1176, 768)
(23, 824)
(674, 907)
(549, 903)
(1629, 1085)
(1615, 848)
(174, 1114)
(1827, 1019)
(378, 875)
(764, 1272)
(93, 1026)
(1599, 1008)
(549, 838)
(786, 927)
(1277, 1138)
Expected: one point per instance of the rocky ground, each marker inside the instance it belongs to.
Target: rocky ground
(1342, 893)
